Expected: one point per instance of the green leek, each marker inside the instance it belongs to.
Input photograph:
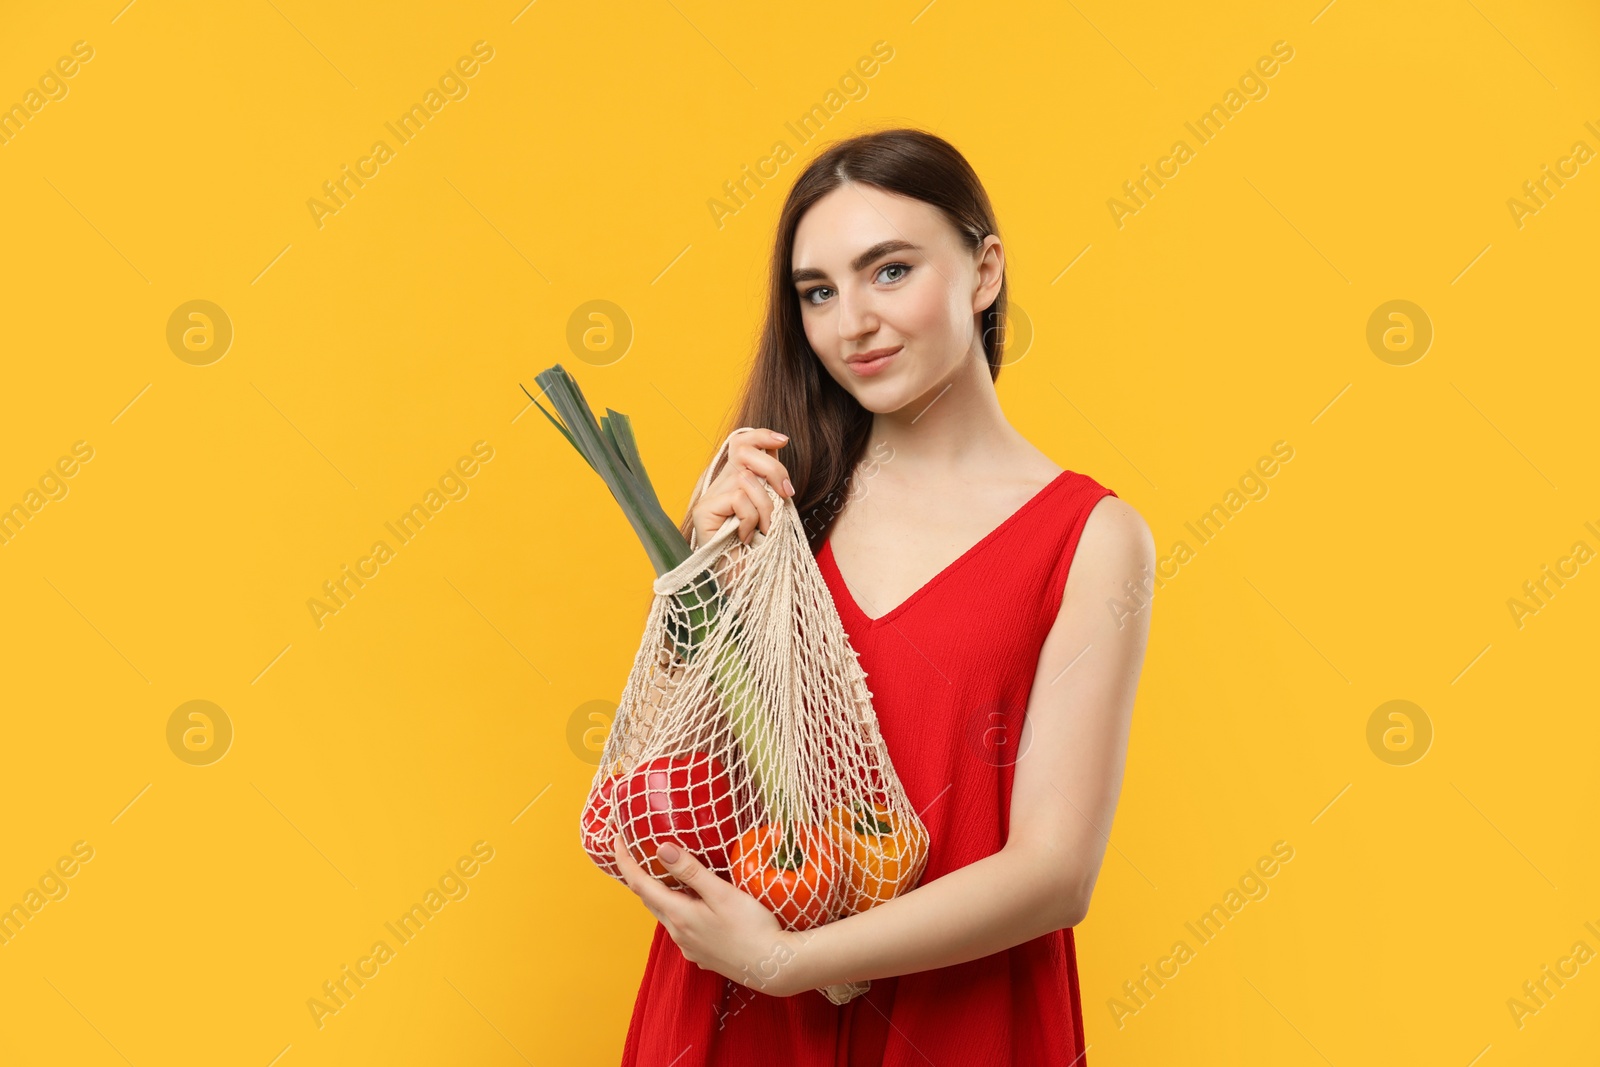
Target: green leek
(610, 448)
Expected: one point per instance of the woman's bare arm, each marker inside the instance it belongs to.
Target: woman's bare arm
(1064, 793)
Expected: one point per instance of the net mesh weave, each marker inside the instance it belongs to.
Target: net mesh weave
(746, 734)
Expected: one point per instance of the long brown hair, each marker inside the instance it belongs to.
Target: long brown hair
(788, 389)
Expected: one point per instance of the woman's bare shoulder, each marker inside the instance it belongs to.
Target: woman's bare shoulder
(1116, 538)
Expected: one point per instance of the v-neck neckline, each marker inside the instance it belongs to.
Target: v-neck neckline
(895, 612)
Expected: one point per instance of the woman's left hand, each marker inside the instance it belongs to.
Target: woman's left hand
(717, 926)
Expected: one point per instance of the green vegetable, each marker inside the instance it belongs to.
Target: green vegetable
(609, 447)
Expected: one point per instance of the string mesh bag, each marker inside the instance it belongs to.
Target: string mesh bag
(746, 735)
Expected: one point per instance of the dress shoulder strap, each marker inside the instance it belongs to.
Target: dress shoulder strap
(1072, 507)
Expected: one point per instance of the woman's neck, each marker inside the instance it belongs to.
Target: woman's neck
(956, 426)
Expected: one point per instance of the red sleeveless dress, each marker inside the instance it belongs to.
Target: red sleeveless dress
(950, 670)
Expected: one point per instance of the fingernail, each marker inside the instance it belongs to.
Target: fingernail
(781, 436)
(668, 853)
(787, 487)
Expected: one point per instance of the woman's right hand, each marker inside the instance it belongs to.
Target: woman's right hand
(737, 488)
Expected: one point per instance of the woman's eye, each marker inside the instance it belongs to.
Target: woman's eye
(810, 295)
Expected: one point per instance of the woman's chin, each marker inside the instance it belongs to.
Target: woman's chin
(881, 398)
(897, 396)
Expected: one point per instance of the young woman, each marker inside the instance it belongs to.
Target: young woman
(1002, 675)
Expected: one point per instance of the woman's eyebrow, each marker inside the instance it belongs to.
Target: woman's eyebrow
(894, 244)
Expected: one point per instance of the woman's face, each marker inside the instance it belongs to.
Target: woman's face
(877, 273)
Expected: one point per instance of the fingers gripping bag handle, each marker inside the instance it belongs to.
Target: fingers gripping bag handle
(675, 580)
(746, 734)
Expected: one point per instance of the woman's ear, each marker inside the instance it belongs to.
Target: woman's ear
(991, 259)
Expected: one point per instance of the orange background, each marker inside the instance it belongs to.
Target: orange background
(445, 706)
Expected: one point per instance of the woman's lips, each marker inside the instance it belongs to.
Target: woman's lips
(866, 368)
